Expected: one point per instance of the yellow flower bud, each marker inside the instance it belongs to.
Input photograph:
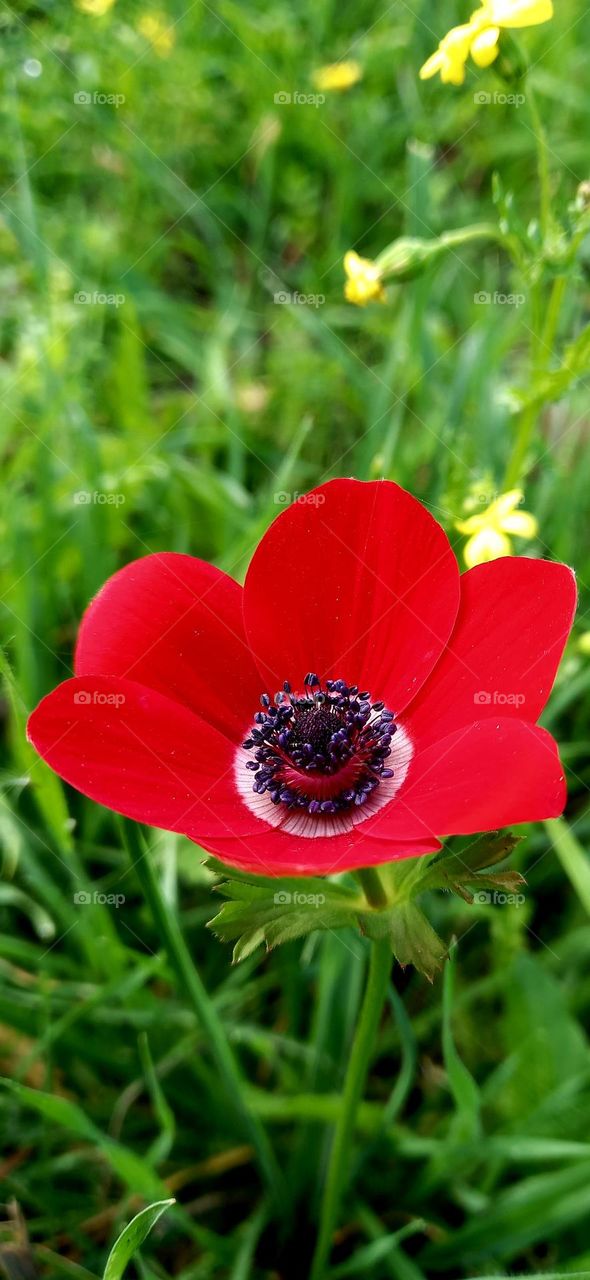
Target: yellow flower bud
(364, 280)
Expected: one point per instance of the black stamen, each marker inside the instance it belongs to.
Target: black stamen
(320, 733)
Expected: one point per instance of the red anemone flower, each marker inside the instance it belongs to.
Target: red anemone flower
(354, 701)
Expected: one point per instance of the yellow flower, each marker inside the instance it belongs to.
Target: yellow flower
(518, 13)
(364, 280)
(338, 75)
(450, 57)
(160, 35)
(479, 37)
(95, 7)
(490, 531)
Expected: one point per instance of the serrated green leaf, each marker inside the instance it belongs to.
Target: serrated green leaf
(477, 855)
(260, 911)
(132, 1237)
(414, 941)
(240, 892)
(464, 871)
(298, 924)
(510, 881)
(412, 938)
(274, 884)
(247, 943)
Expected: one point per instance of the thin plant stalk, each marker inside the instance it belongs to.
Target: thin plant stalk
(358, 1067)
(542, 342)
(542, 160)
(541, 353)
(190, 981)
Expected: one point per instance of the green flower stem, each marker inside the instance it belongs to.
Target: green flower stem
(541, 353)
(358, 1066)
(468, 235)
(542, 160)
(410, 256)
(370, 882)
(553, 313)
(189, 979)
(542, 341)
(516, 464)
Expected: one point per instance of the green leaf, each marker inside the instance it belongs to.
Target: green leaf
(465, 1092)
(553, 385)
(230, 877)
(134, 1172)
(262, 911)
(487, 850)
(46, 788)
(572, 856)
(160, 1148)
(462, 871)
(412, 938)
(544, 1046)
(132, 1237)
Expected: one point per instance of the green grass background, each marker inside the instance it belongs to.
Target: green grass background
(202, 402)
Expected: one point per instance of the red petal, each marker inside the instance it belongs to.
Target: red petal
(277, 854)
(514, 619)
(493, 773)
(357, 581)
(137, 752)
(174, 623)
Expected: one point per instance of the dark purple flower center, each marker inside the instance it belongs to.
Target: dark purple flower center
(324, 750)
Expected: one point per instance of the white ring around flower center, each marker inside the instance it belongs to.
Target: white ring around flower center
(298, 822)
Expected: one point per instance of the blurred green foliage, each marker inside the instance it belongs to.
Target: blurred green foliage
(182, 414)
